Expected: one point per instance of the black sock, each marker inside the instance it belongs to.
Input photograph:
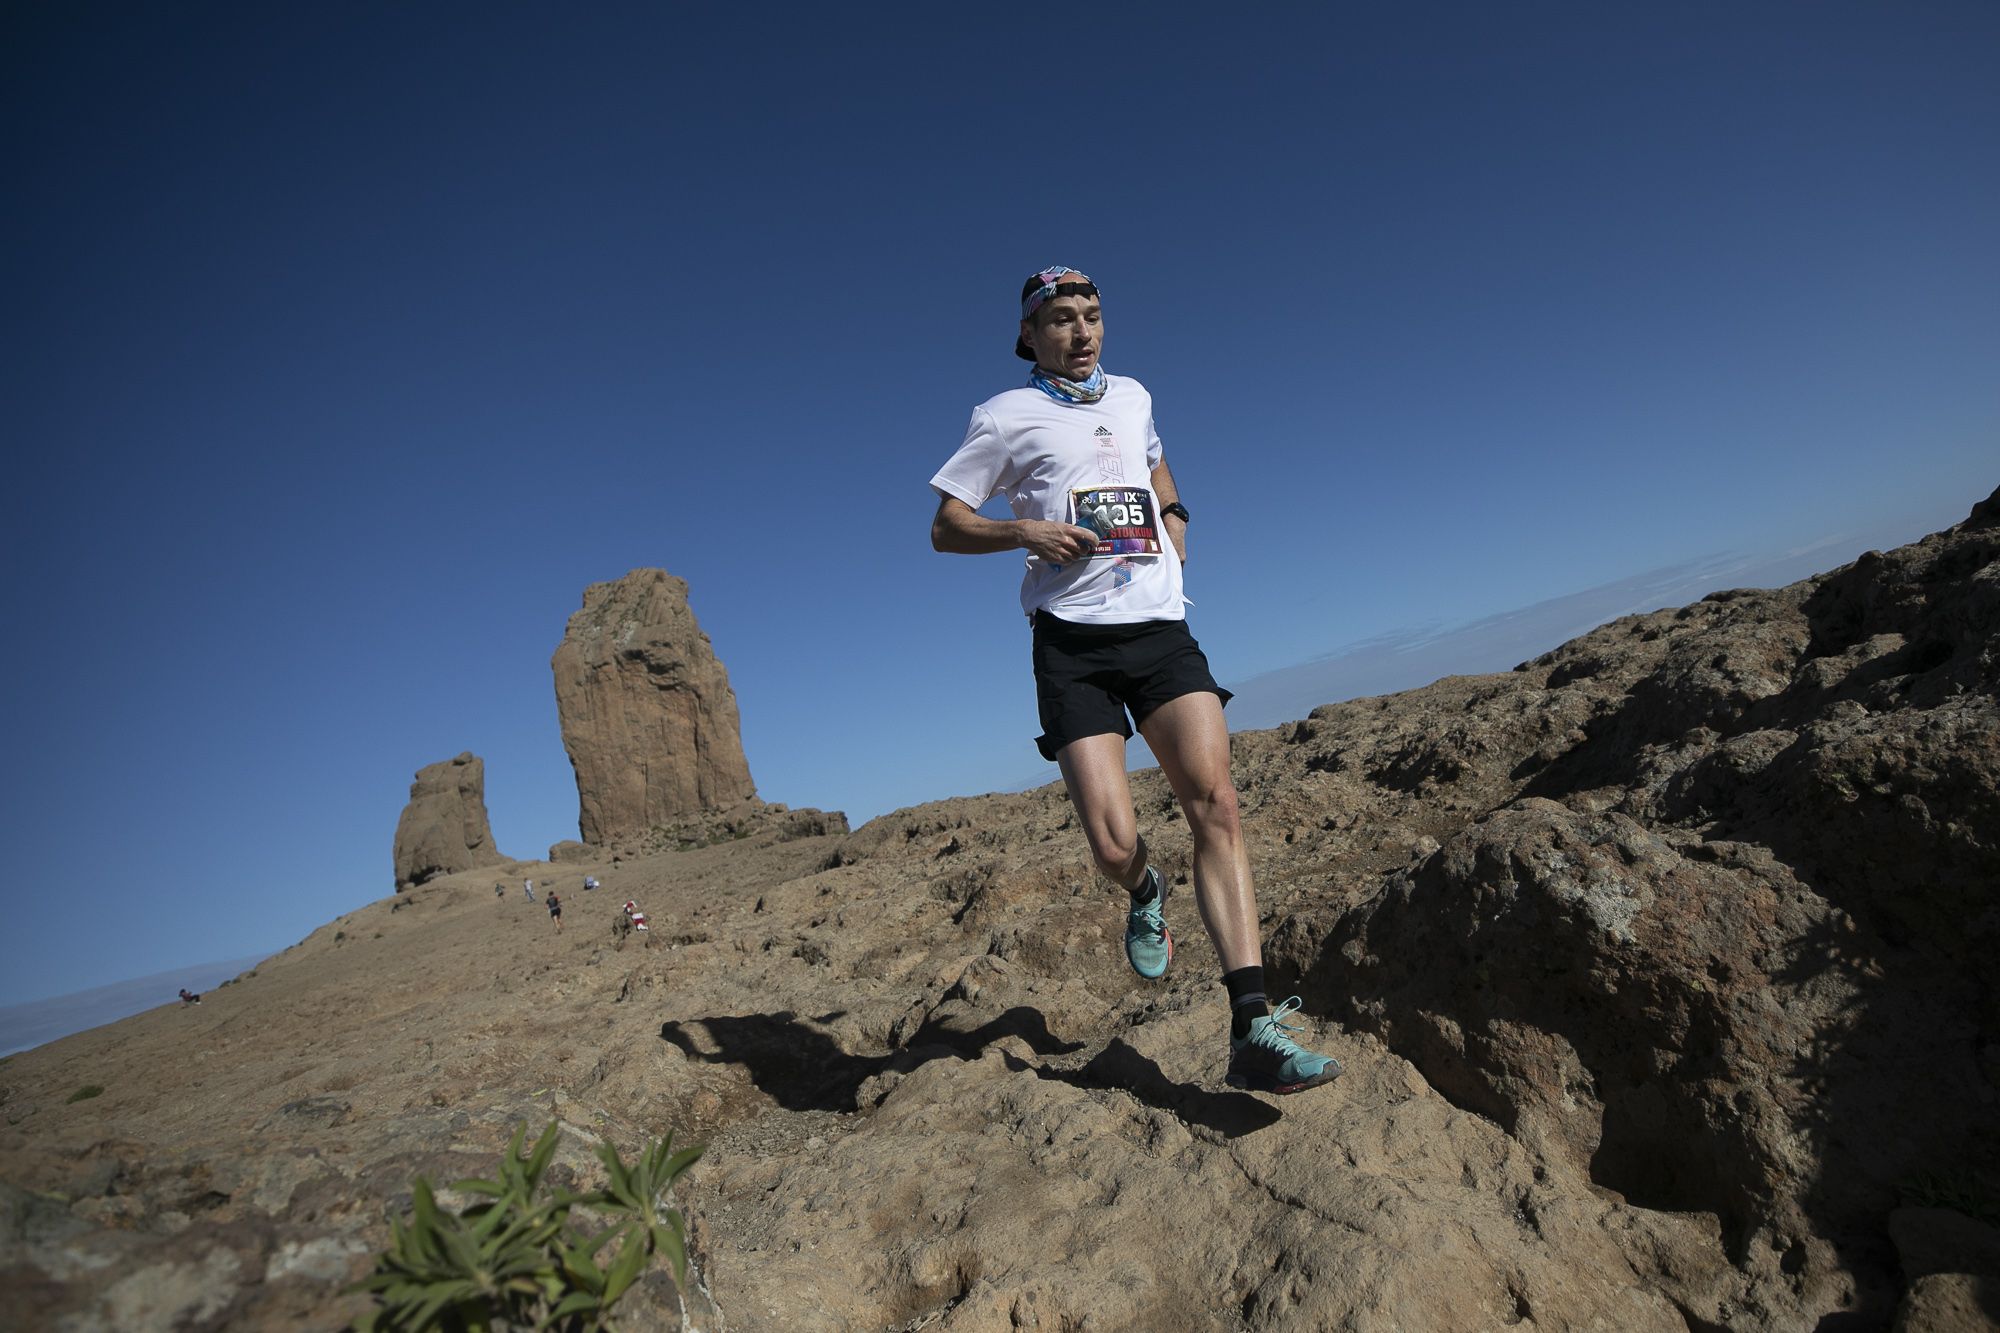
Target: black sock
(1246, 999)
(1146, 891)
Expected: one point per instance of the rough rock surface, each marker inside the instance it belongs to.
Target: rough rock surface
(647, 714)
(1718, 921)
(444, 828)
(1662, 969)
(1950, 1303)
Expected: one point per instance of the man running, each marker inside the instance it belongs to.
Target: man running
(1076, 455)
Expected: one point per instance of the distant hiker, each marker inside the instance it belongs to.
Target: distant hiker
(629, 920)
(499, 889)
(1075, 452)
(555, 910)
(528, 887)
(189, 997)
(589, 882)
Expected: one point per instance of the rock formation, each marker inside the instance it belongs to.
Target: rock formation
(1706, 902)
(443, 829)
(1663, 969)
(647, 714)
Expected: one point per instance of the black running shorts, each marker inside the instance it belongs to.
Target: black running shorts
(1088, 676)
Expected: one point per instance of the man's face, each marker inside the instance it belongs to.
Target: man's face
(1067, 334)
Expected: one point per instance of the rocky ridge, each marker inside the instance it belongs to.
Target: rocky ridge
(1662, 968)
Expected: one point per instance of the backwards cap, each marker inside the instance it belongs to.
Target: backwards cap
(1047, 289)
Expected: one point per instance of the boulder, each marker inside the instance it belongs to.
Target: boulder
(1701, 902)
(444, 827)
(1950, 1303)
(647, 714)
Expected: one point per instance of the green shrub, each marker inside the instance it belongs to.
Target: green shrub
(84, 1094)
(1965, 1192)
(516, 1260)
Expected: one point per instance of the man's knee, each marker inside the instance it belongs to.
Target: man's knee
(1212, 810)
(1113, 849)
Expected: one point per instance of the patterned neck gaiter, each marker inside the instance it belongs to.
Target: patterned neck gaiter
(1069, 391)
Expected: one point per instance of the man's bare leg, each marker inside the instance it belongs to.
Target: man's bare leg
(1191, 741)
(1093, 769)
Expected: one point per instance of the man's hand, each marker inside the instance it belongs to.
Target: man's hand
(1176, 529)
(958, 528)
(1058, 543)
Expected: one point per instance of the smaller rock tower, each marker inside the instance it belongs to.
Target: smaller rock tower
(444, 826)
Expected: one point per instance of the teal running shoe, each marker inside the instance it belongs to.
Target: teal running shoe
(1269, 1060)
(1149, 945)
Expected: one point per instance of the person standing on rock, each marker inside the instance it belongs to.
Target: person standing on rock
(1095, 507)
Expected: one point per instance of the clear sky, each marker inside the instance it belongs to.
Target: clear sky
(345, 344)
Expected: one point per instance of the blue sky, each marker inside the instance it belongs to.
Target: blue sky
(344, 345)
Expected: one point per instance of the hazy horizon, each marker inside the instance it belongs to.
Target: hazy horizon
(37, 1022)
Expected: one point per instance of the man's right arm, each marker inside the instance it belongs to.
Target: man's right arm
(960, 530)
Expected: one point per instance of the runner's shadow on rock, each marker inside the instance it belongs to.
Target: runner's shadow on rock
(1118, 1065)
(802, 1068)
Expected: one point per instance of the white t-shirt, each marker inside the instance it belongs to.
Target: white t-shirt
(1085, 463)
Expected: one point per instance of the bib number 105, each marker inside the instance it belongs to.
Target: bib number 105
(1122, 516)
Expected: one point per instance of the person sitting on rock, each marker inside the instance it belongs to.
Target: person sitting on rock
(589, 882)
(189, 997)
(1076, 454)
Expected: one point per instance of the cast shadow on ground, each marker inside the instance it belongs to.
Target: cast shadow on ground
(802, 1068)
(1118, 1065)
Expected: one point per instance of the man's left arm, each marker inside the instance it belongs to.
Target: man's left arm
(1166, 493)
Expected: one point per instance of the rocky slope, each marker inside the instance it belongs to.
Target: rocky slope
(1663, 969)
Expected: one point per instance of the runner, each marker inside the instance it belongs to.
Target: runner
(1076, 455)
(555, 910)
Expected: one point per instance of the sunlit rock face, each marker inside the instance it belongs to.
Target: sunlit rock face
(444, 827)
(647, 714)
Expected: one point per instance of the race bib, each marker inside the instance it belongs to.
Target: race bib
(1121, 516)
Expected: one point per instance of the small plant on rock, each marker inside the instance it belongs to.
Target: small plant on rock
(84, 1094)
(1964, 1192)
(517, 1258)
